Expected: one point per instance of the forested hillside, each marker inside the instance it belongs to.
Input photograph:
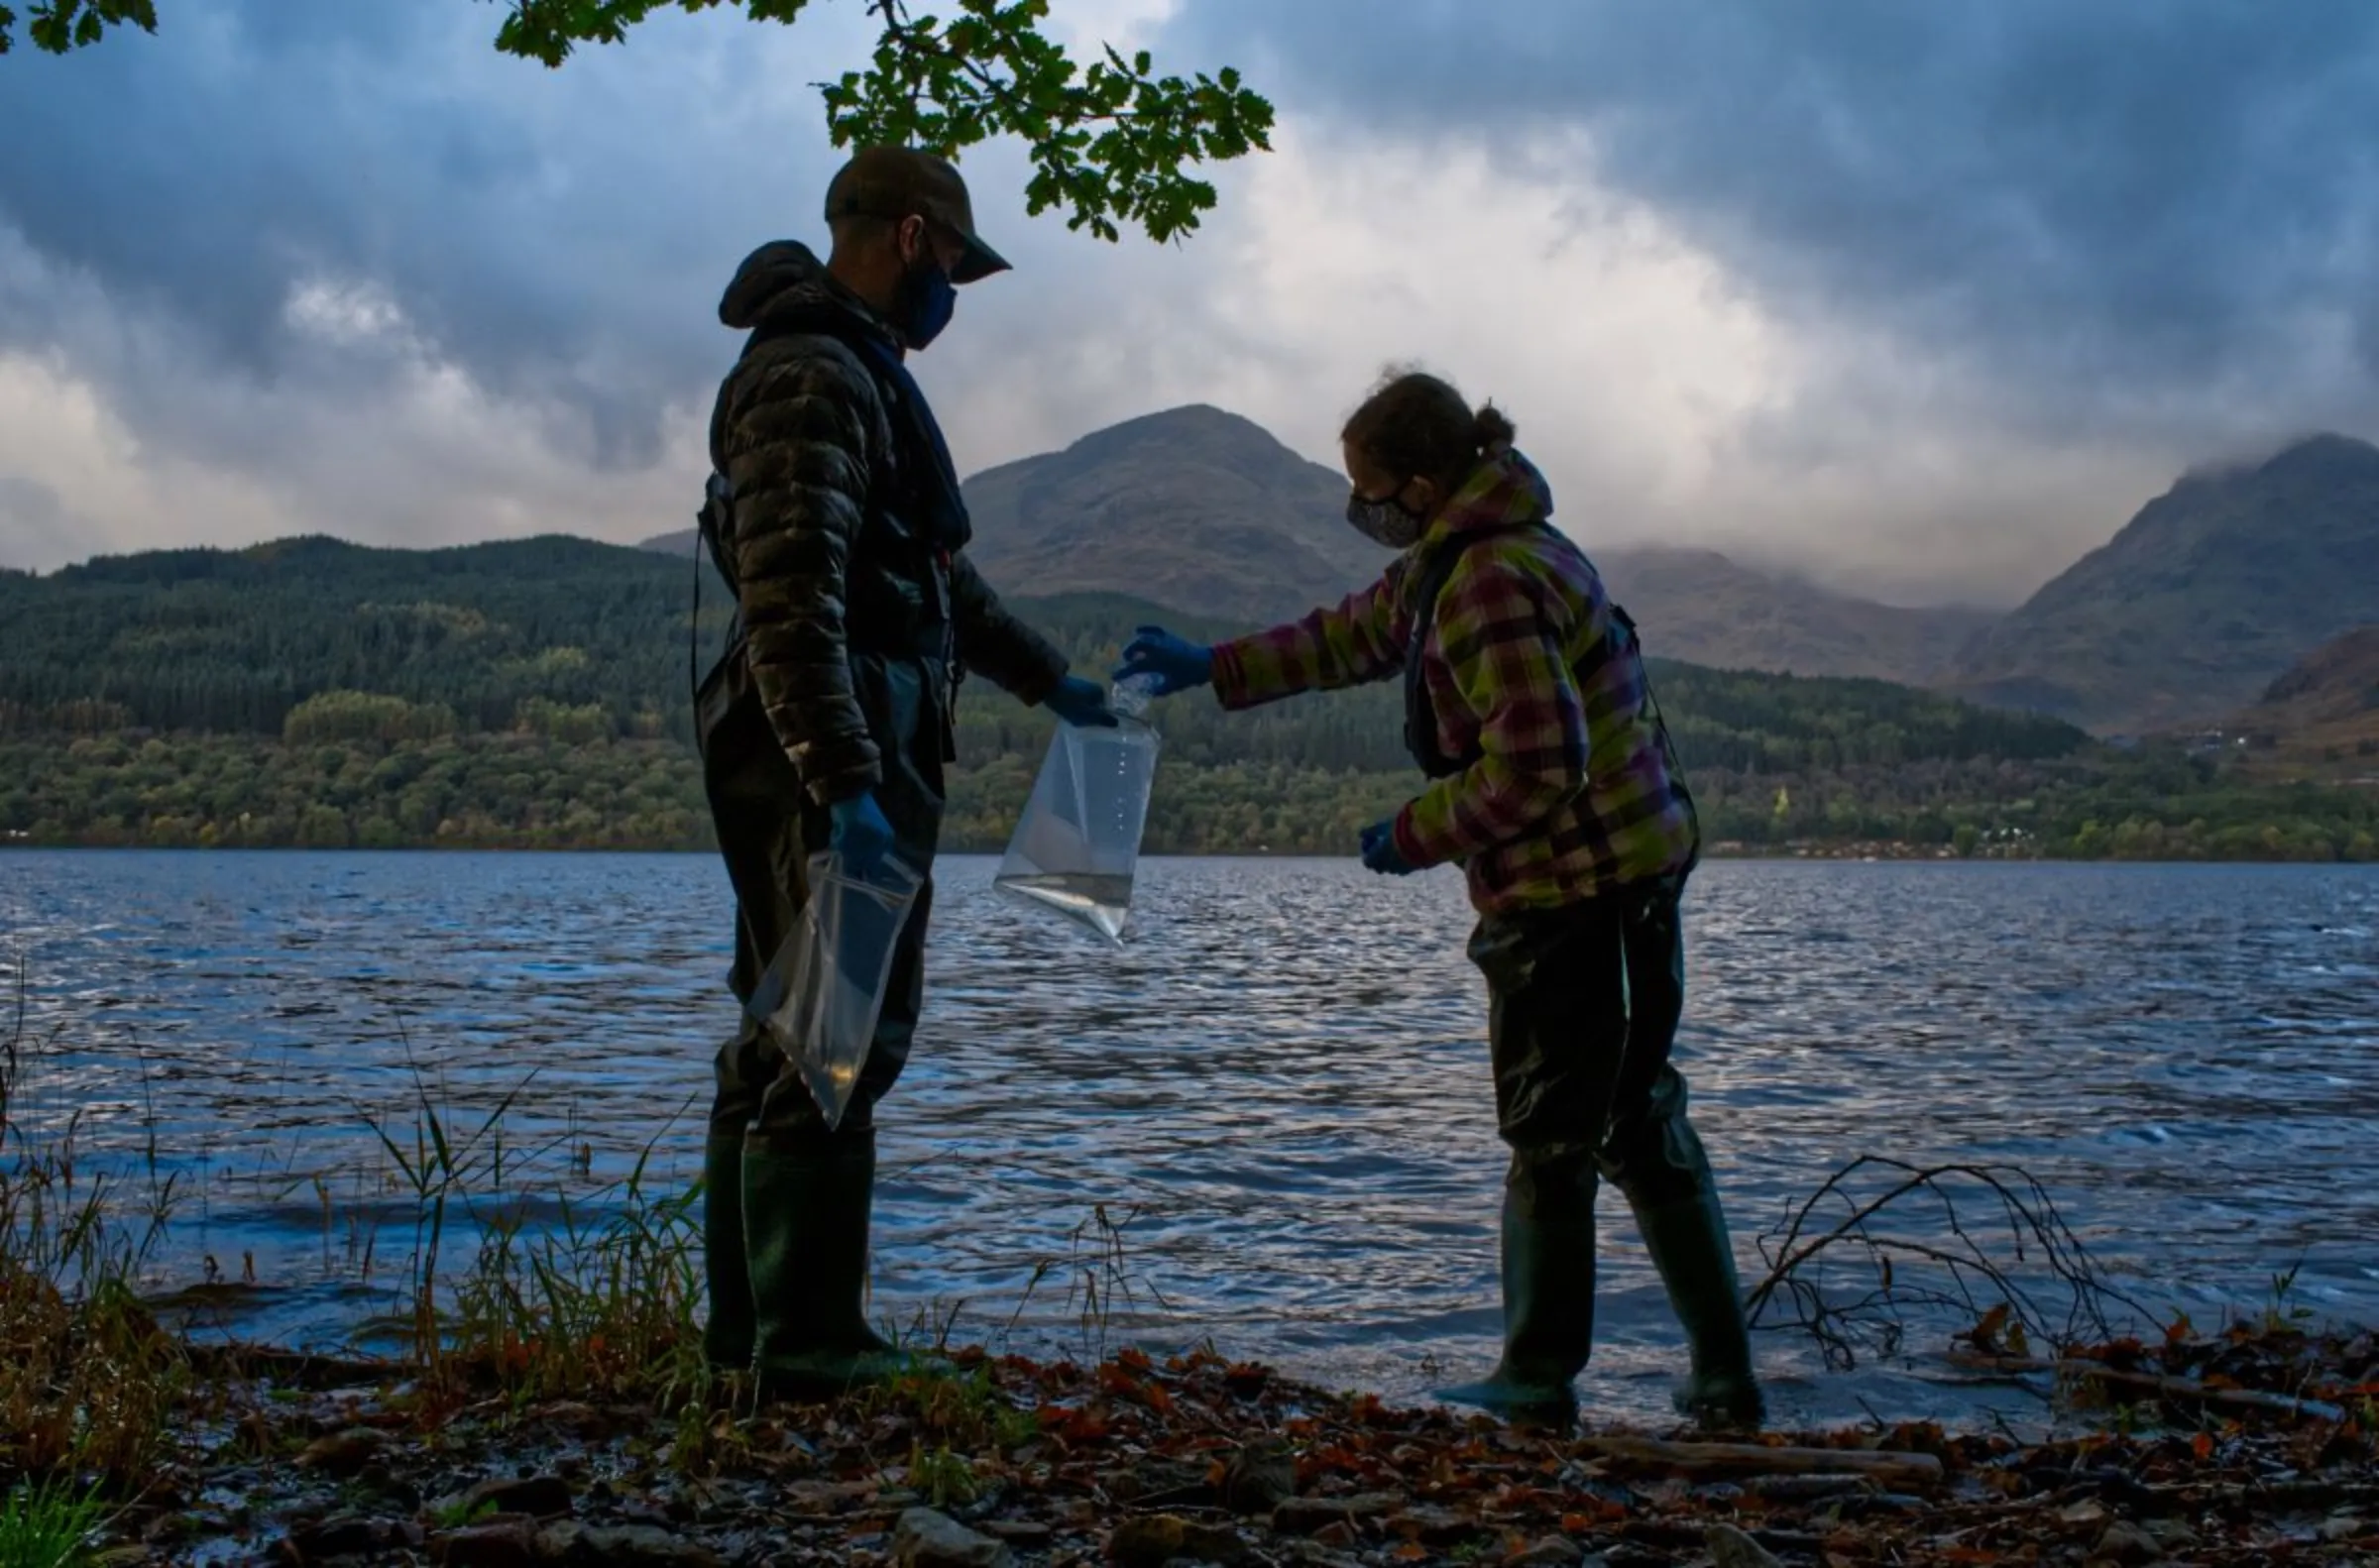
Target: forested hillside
(534, 694)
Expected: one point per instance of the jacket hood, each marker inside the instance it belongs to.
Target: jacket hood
(784, 284)
(1503, 492)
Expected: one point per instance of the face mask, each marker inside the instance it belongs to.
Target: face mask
(927, 301)
(1387, 521)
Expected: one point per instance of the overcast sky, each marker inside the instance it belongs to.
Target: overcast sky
(1923, 300)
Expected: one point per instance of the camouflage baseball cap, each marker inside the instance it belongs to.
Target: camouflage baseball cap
(896, 183)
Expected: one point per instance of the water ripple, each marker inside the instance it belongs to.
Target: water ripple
(1278, 1090)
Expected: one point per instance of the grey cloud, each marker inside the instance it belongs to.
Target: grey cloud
(559, 235)
(2110, 209)
(34, 519)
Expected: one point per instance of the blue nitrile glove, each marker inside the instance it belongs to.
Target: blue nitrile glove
(1080, 702)
(1380, 852)
(862, 835)
(1168, 663)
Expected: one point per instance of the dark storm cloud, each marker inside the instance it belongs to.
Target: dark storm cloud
(538, 228)
(2104, 204)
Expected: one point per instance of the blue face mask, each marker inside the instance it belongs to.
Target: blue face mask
(927, 300)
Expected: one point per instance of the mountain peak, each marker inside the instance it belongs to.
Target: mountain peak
(2209, 593)
(1193, 507)
(2325, 452)
(1192, 428)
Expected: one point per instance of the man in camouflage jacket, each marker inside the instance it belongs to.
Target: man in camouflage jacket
(836, 520)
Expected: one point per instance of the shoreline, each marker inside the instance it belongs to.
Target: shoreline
(1001, 1460)
(1854, 852)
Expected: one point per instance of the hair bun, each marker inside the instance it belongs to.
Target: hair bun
(1490, 431)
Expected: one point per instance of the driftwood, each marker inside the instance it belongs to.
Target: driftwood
(1688, 1458)
(1940, 1260)
(2164, 1387)
(297, 1369)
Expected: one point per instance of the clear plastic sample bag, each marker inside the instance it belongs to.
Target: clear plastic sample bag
(822, 995)
(1076, 847)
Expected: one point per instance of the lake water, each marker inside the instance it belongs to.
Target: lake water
(1278, 1090)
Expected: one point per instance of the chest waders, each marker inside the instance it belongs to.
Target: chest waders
(787, 1202)
(1584, 1003)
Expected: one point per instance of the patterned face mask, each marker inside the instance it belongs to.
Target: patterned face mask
(1387, 521)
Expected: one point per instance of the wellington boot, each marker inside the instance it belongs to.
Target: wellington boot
(1521, 1403)
(1549, 1294)
(727, 1336)
(805, 1223)
(1689, 1247)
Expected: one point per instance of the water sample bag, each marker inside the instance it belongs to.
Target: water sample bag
(822, 995)
(1078, 842)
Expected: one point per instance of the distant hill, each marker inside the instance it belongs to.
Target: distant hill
(2322, 718)
(1195, 507)
(234, 642)
(2214, 589)
(1206, 513)
(231, 640)
(533, 692)
(1702, 607)
(1192, 509)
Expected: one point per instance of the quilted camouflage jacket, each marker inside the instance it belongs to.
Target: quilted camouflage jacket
(801, 431)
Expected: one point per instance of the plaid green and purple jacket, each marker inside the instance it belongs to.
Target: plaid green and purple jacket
(1570, 794)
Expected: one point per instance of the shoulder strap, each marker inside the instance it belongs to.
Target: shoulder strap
(1430, 573)
(1621, 620)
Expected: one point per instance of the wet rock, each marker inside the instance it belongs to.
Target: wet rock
(575, 1545)
(1020, 1532)
(817, 1499)
(539, 1497)
(511, 1544)
(1148, 1483)
(341, 1535)
(1805, 1489)
(345, 1453)
(1311, 1515)
(1313, 1554)
(1553, 1552)
(927, 1540)
(2125, 1542)
(379, 1479)
(1162, 1538)
(651, 1515)
(1730, 1547)
(1431, 1527)
(1259, 1479)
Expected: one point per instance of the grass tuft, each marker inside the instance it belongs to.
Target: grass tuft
(48, 1527)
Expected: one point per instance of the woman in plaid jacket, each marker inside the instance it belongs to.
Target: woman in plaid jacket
(1552, 785)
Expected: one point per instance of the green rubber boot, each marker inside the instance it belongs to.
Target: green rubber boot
(727, 1336)
(1689, 1246)
(1549, 1294)
(805, 1226)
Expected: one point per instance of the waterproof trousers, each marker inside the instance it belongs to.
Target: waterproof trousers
(787, 1201)
(1585, 1002)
